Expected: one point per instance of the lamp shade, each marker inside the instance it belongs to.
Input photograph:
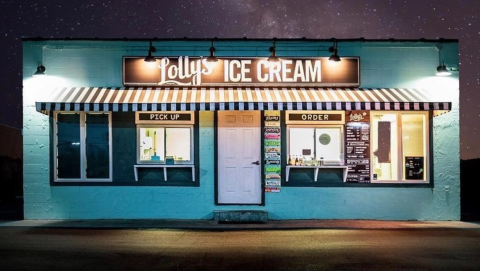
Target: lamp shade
(334, 57)
(442, 70)
(149, 57)
(40, 70)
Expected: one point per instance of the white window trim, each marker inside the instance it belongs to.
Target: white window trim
(83, 159)
(192, 151)
(400, 162)
(340, 126)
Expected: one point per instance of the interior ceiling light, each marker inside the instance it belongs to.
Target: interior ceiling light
(149, 57)
(40, 69)
(273, 53)
(442, 70)
(334, 50)
(212, 57)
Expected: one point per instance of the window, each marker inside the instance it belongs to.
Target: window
(83, 147)
(399, 146)
(155, 143)
(316, 142)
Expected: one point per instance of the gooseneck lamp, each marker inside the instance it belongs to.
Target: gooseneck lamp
(442, 70)
(334, 50)
(149, 57)
(212, 57)
(273, 53)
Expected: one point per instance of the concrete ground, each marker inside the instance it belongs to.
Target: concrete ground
(207, 245)
(213, 225)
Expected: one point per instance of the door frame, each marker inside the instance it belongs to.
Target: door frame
(262, 158)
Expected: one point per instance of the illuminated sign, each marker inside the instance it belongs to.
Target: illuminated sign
(315, 117)
(184, 117)
(196, 71)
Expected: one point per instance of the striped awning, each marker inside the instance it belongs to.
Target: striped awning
(239, 98)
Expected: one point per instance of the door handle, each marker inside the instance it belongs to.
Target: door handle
(256, 163)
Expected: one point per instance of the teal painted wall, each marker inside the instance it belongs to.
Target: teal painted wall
(99, 64)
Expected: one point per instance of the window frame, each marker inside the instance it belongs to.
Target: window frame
(165, 126)
(400, 158)
(83, 152)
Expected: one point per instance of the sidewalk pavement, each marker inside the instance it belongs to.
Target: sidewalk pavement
(211, 225)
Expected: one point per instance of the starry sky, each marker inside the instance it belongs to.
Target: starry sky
(323, 19)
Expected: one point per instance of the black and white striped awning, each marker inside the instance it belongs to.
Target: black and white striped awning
(239, 98)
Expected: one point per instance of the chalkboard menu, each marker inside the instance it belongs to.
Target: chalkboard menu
(357, 151)
(414, 167)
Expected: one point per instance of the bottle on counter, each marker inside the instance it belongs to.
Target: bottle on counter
(296, 161)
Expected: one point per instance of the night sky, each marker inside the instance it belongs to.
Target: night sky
(323, 19)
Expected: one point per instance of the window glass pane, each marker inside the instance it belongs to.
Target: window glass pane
(68, 146)
(301, 142)
(329, 144)
(97, 146)
(178, 142)
(384, 146)
(413, 145)
(152, 146)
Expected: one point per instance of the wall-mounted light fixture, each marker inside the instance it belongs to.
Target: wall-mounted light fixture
(40, 70)
(441, 68)
(273, 53)
(334, 50)
(212, 57)
(149, 57)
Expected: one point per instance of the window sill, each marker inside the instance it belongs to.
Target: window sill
(164, 167)
(357, 185)
(83, 181)
(132, 183)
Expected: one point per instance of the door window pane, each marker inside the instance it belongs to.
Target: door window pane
(68, 146)
(97, 146)
(384, 146)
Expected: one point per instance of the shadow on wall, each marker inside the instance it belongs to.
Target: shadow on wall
(469, 187)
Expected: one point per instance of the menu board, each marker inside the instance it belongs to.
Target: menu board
(357, 151)
(414, 167)
(272, 141)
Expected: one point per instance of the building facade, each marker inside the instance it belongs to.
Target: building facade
(298, 128)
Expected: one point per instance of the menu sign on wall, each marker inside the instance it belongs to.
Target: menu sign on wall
(357, 146)
(272, 139)
(414, 168)
(196, 71)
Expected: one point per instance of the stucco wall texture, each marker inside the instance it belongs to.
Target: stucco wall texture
(399, 64)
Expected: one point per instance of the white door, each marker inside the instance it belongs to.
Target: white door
(239, 154)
